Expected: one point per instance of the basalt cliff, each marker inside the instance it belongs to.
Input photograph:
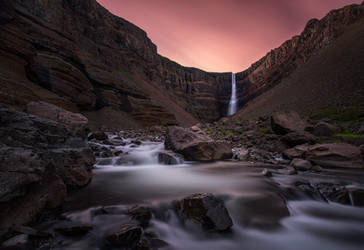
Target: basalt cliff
(77, 55)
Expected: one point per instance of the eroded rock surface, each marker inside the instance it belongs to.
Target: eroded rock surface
(39, 160)
(196, 146)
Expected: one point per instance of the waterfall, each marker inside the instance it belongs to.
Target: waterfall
(233, 100)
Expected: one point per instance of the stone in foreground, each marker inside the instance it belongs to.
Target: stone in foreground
(196, 146)
(127, 235)
(206, 210)
(39, 160)
(169, 158)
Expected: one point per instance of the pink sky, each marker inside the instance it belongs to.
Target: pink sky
(220, 35)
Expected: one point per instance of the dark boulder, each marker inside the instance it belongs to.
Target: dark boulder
(39, 160)
(296, 152)
(126, 235)
(99, 136)
(286, 122)
(141, 214)
(325, 129)
(298, 138)
(169, 158)
(206, 210)
(196, 146)
(340, 155)
(300, 164)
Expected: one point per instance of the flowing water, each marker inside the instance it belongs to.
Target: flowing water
(261, 219)
(233, 104)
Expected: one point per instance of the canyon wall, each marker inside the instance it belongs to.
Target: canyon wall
(292, 54)
(76, 54)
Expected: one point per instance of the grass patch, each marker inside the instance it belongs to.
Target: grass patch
(230, 133)
(341, 114)
(349, 135)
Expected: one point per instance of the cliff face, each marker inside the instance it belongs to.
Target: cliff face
(281, 62)
(77, 55)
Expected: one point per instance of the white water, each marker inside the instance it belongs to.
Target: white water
(312, 224)
(233, 100)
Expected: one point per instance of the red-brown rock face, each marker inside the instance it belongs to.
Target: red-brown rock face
(77, 55)
(282, 61)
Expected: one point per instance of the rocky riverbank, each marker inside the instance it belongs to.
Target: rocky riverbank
(42, 161)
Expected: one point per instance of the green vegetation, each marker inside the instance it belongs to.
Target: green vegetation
(264, 130)
(341, 114)
(230, 133)
(347, 135)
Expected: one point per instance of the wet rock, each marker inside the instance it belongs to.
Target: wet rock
(142, 214)
(31, 232)
(341, 194)
(73, 121)
(288, 170)
(307, 188)
(317, 168)
(362, 150)
(298, 138)
(263, 210)
(127, 235)
(325, 129)
(169, 158)
(296, 152)
(301, 165)
(242, 154)
(266, 173)
(285, 122)
(104, 162)
(99, 136)
(17, 242)
(206, 210)
(118, 152)
(136, 142)
(74, 229)
(196, 147)
(339, 155)
(39, 160)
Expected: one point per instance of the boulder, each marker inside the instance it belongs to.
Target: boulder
(341, 155)
(141, 214)
(325, 129)
(242, 154)
(300, 164)
(285, 122)
(196, 147)
(99, 136)
(263, 210)
(74, 228)
(126, 235)
(169, 158)
(298, 138)
(205, 209)
(77, 123)
(39, 160)
(296, 152)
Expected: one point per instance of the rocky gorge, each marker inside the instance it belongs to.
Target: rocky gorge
(105, 144)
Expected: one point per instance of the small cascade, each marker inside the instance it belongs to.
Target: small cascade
(233, 100)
